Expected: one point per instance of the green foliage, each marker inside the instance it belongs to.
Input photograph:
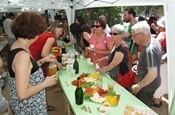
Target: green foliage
(112, 14)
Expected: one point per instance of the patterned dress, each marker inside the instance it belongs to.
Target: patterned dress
(35, 105)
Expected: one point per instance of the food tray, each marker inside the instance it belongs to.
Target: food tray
(136, 110)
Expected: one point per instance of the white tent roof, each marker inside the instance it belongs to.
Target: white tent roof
(16, 5)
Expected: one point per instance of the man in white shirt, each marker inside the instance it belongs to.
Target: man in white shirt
(7, 27)
(107, 28)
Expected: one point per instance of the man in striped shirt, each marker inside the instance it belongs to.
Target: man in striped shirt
(148, 68)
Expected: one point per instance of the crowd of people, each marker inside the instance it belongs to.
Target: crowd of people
(136, 46)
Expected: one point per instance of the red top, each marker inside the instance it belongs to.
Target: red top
(37, 47)
(163, 44)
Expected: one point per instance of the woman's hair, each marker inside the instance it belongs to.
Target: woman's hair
(102, 23)
(152, 19)
(75, 29)
(119, 28)
(85, 28)
(80, 20)
(28, 25)
(54, 25)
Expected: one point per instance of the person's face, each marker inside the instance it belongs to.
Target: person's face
(116, 36)
(59, 32)
(97, 27)
(137, 37)
(126, 17)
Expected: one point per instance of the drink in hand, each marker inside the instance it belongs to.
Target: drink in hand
(52, 69)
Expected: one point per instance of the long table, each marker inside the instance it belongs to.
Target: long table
(126, 98)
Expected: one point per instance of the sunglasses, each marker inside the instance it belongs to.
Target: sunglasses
(97, 26)
(114, 34)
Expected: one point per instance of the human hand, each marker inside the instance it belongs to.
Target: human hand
(50, 80)
(135, 88)
(49, 58)
(101, 70)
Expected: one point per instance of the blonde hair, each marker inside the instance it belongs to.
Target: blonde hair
(53, 27)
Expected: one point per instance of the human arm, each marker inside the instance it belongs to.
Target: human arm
(160, 37)
(72, 42)
(22, 68)
(154, 27)
(118, 57)
(150, 76)
(3, 104)
(86, 36)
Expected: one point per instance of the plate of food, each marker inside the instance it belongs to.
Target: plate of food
(101, 96)
(136, 110)
(87, 79)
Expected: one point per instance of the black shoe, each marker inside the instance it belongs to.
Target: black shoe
(156, 105)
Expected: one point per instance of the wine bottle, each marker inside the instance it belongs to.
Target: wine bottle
(79, 93)
(63, 49)
(76, 65)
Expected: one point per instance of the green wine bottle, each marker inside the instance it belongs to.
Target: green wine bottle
(76, 65)
(79, 95)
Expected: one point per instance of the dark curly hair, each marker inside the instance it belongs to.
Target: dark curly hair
(102, 23)
(28, 25)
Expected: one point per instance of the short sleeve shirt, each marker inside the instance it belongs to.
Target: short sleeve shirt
(150, 57)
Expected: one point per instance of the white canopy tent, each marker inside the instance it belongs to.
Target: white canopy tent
(71, 5)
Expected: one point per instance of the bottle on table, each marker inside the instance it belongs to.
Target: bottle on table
(76, 65)
(63, 49)
(79, 95)
(52, 68)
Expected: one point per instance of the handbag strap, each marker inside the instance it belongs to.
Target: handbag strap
(128, 54)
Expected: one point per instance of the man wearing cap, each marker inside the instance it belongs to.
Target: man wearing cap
(148, 68)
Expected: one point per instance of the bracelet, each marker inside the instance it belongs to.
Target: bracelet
(40, 62)
(139, 86)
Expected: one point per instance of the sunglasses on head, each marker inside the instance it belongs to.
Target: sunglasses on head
(97, 26)
(114, 33)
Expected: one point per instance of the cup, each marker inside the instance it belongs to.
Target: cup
(106, 105)
(110, 86)
(73, 72)
(97, 66)
(99, 84)
(89, 60)
(102, 111)
(52, 69)
(81, 57)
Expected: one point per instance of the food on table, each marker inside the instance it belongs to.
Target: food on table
(86, 79)
(135, 110)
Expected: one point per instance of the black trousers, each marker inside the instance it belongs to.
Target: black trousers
(145, 97)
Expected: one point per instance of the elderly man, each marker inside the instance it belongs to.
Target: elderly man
(148, 68)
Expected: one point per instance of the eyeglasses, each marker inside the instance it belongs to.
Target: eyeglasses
(114, 34)
(97, 26)
(135, 35)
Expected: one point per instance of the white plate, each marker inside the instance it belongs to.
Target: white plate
(134, 110)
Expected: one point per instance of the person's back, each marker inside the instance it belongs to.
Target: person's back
(7, 28)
